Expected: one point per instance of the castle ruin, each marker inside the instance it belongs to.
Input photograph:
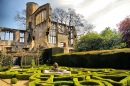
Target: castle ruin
(41, 32)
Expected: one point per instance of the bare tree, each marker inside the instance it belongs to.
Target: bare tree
(59, 15)
(71, 18)
(20, 18)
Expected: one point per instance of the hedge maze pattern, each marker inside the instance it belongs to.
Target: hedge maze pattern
(78, 77)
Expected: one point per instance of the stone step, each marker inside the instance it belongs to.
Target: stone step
(16, 67)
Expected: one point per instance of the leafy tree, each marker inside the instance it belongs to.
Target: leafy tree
(111, 39)
(124, 28)
(107, 39)
(90, 41)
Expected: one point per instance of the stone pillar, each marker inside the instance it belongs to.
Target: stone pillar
(74, 35)
(4, 35)
(57, 31)
(66, 33)
(9, 35)
(25, 37)
(45, 15)
(17, 36)
(0, 33)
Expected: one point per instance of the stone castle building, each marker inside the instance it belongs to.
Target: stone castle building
(41, 32)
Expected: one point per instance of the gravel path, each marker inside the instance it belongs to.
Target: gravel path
(6, 82)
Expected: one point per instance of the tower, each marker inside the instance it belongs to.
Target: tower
(31, 7)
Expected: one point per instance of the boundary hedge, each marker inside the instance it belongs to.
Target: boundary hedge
(118, 59)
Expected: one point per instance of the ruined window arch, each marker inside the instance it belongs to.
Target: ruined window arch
(52, 34)
(61, 28)
(40, 17)
(45, 14)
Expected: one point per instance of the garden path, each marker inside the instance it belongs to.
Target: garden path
(6, 82)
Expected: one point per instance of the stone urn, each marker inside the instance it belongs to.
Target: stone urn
(55, 65)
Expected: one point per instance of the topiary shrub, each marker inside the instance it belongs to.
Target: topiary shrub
(14, 80)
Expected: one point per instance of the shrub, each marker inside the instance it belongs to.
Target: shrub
(14, 80)
(33, 63)
(26, 61)
(47, 53)
(4, 69)
(5, 61)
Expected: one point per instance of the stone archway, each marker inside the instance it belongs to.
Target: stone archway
(16, 61)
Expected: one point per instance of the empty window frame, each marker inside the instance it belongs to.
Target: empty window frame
(6, 35)
(62, 44)
(22, 37)
(52, 34)
(40, 17)
(61, 29)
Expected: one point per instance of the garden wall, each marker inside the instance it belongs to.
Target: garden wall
(119, 59)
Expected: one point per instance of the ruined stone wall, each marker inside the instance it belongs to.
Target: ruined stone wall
(39, 31)
(13, 45)
(42, 14)
(40, 24)
(40, 35)
(17, 36)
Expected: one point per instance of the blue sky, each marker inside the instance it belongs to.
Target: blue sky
(101, 13)
(8, 9)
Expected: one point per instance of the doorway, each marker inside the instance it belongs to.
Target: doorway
(16, 61)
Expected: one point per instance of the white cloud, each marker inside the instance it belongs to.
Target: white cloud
(101, 13)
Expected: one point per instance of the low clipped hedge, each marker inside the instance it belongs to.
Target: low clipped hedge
(4, 69)
(79, 77)
(118, 59)
(6, 76)
(23, 76)
(114, 80)
(56, 79)
(63, 83)
(91, 82)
